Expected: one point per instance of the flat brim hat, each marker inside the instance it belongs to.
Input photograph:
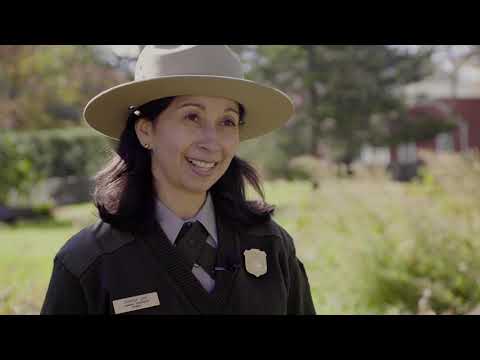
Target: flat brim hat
(191, 70)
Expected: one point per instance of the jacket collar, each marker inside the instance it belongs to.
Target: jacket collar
(171, 223)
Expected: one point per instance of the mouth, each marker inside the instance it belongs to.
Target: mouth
(201, 167)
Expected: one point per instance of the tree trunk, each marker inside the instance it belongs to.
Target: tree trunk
(314, 101)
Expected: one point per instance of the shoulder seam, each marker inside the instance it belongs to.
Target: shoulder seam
(100, 257)
(267, 229)
(80, 258)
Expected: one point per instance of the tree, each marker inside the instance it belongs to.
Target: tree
(347, 95)
(48, 86)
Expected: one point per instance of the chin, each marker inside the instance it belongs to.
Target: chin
(198, 188)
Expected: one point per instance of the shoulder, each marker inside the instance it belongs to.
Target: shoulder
(271, 228)
(85, 247)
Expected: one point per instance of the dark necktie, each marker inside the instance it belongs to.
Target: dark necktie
(191, 242)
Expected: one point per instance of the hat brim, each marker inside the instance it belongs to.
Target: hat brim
(266, 108)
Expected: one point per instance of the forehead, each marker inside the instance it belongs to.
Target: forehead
(207, 101)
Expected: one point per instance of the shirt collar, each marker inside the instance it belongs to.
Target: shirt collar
(172, 224)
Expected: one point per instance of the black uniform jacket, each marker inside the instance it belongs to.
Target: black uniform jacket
(101, 264)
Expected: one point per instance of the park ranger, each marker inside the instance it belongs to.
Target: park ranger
(176, 234)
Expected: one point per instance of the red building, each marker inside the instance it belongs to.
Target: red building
(466, 114)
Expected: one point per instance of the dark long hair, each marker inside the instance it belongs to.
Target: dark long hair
(124, 189)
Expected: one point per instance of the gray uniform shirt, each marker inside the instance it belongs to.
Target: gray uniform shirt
(171, 224)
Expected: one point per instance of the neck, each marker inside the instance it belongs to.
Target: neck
(184, 205)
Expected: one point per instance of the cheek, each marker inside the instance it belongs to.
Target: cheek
(231, 145)
(232, 151)
(173, 144)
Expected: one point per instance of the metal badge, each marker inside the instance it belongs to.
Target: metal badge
(256, 262)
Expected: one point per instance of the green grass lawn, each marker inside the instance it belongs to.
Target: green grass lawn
(26, 257)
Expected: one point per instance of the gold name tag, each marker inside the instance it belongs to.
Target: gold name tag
(136, 303)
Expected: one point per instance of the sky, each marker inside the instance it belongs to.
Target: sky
(125, 50)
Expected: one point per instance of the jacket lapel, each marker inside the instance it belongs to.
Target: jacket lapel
(170, 259)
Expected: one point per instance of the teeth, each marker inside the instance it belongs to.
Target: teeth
(202, 164)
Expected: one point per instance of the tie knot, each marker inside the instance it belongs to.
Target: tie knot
(191, 242)
(187, 225)
(195, 231)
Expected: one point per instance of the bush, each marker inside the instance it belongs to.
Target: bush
(373, 246)
(264, 153)
(435, 266)
(44, 154)
(310, 168)
(371, 172)
(17, 167)
(271, 153)
(65, 152)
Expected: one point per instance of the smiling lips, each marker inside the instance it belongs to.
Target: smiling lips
(202, 166)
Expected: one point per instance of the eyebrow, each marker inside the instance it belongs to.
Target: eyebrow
(204, 109)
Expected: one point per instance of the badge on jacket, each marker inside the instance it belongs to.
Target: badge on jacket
(256, 262)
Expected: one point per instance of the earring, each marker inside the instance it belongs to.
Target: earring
(146, 146)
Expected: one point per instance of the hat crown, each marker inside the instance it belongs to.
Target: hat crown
(175, 60)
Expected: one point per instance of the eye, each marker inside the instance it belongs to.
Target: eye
(192, 116)
(230, 122)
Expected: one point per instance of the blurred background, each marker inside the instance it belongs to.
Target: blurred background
(375, 177)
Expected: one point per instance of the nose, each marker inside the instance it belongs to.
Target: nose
(210, 139)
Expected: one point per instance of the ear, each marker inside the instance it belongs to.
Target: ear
(144, 131)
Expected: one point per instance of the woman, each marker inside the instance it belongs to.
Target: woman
(177, 235)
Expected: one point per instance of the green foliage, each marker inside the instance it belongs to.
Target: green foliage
(310, 168)
(64, 152)
(46, 86)
(29, 157)
(44, 210)
(374, 247)
(271, 153)
(302, 169)
(345, 94)
(17, 167)
(264, 154)
(435, 266)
